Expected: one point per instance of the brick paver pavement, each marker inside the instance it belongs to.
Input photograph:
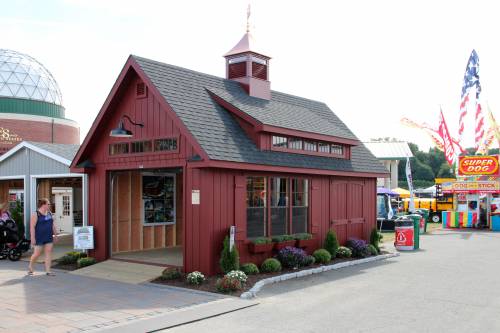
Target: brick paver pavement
(72, 303)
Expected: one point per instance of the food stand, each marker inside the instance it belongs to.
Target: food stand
(476, 202)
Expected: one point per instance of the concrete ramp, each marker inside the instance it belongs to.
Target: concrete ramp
(121, 271)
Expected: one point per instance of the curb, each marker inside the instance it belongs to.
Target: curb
(275, 279)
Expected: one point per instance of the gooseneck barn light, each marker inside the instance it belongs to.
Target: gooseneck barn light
(121, 131)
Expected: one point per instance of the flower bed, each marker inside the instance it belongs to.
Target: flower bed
(210, 283)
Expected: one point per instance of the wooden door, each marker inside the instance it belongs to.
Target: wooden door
(63, 214)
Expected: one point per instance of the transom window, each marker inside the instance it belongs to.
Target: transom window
(166, 144)
(158, 198)
(118, 148)
(310, 145)
(323, 147)
(280, 141)
(295, 143)
(141, 147)
(288, 202)
(337, 150)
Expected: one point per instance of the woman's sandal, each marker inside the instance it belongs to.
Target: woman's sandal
(50, 274)
(30, 273)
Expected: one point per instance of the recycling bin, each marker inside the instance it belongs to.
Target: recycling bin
(421, 222)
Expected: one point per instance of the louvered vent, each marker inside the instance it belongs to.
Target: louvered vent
(237, 70)
(141, 90)
(259, 71)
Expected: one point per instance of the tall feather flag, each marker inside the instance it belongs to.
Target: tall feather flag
(449, 150)
(494, 125)
(409, 180)
(471, 80)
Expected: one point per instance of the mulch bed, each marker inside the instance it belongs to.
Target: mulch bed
(210, 282)
(68, 267)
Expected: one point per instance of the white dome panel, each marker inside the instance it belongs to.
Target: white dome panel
(18, 70)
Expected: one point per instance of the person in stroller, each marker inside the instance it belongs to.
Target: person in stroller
(43, 230)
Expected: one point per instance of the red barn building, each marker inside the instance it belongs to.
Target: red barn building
(218, 152)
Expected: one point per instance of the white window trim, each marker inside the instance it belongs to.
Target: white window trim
(173, 175)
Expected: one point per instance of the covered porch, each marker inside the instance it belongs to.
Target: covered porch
(147, 216)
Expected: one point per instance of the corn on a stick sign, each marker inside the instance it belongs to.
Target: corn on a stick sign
(478, 165)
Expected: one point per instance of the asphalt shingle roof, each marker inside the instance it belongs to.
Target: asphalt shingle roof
(218, 133)
(66, 151)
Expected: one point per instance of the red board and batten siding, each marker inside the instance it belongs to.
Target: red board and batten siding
(158, 123)
(345, 204)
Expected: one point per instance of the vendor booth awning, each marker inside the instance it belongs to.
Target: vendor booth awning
(383, 190)
(402, 192)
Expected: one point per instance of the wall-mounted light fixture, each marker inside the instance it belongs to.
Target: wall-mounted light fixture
(121, 131)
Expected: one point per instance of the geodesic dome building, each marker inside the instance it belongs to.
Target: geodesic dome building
(31, 103)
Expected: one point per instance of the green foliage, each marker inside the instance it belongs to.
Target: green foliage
(86, 261)
(17, 215)
(302, 236)
(344, 252)
(71, 258)
(249, 268)
(171, 273)
(373, 251)
(270, 265)
(282, 238)
(331, 243)
(375, 239)
(261, 240)
(322, 256)
(229, 259)
(308, 261)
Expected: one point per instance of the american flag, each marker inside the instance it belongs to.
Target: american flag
(471, 80)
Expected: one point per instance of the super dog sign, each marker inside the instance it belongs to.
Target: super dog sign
(478, 165)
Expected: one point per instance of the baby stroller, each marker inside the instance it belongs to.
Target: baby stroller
(11, 246)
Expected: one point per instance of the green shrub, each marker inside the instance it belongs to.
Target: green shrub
(322, 256)
(228, 284)
(373, 251)
(67, 260)
(229, 259)
(344, 252)
(86, 261)
(282, 238)
(195, 278)
(238, 275)
(171, 273)
(261, 240)
(331, 243)
(270, 265)
(77, 254)
(308, 261)
(249, 268)
(302, 236)
(375, 239)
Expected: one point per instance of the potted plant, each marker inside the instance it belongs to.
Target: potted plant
(306, 241)
(260, 245)
(283, 241)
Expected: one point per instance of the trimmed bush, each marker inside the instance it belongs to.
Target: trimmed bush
(270, 265)
(195, 278)
(358, 247)
(86, 261)
(291, 257)
(375, 239)
(228, 284)
(249, 268)
(238, 275)
(331, 243)
(302, 236)
(71, 257)
(322, 256)
(229, 259)
(282, 238)
(261, 240)
(308, 261)
(373, 251)
(170, 273)
(344, 252)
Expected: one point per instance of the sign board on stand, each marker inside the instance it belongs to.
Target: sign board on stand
(83, 238)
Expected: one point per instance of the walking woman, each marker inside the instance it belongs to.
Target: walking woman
(42, 230)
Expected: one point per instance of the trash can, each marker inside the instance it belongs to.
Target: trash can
(424, 212)
(404, 234)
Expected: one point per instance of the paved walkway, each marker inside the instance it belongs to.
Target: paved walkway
(451, 285)
(72, 303)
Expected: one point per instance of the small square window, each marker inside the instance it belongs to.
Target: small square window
(294, 143)
(280, 141)
(169, 144)
(118, 148)
(310, 145)
(337, 150)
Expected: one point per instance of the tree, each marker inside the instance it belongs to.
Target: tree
(229, 258)
(445, 171)
(331, 243)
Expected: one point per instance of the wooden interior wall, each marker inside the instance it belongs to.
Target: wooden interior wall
(128, 231)
(4, 191)
(43, 189)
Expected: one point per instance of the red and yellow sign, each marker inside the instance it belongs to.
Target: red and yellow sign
(478, 165)
(471, 187)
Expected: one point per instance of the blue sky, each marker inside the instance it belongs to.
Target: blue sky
(372, 62)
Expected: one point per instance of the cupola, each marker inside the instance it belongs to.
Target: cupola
(249, 66)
